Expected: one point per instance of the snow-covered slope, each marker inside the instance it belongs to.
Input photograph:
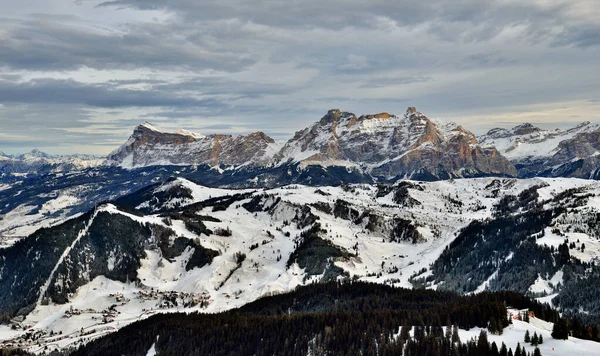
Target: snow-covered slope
(261, 238)
(514, 334)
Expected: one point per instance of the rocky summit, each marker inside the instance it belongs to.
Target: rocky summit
(149, 146)
(388, 146)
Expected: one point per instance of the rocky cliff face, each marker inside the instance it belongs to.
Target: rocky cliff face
(577, 157)
(382, 145)
(389, 146)
(149, 146)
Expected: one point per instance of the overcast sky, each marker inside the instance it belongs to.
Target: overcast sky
(79, 75)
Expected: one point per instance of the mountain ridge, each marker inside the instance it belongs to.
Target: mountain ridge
(381, 145)
(378, 147)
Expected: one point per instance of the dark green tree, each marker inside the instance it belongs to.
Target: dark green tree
(560, 330)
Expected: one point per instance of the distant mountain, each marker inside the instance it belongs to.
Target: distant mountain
(38, 162)
(559, 153)
(149, 146)
(381, 146)
(526, 141)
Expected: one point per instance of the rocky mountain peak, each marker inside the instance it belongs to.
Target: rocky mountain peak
(382, 115)
(334, 116)
(519, 130)
(415, 116)
(149, 145)
(525, 129)
(37, 153)
(148, 126)
(260, 136)
(34, 154)
(147, 134)
(380, 145)
(388, 146)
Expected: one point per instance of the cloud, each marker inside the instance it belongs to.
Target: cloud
(394, 81)
(51, 45)
(100, 68)
(51, 91)
(561, 21)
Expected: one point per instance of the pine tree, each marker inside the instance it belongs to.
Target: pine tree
(503, 350)
(449, 331)
(537, 352)
(560, 330)
(494, 327)
(527, 337)
(455, 336)
(534, 339)
(540, 339)
(494, 348)
(483, 346)
(518, 350)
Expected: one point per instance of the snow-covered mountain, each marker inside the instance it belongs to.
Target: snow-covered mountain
(560, 152)
(149, 146)
(383, 146)
(173, 245)
(527, 141)
(389, 146)
(38, 162)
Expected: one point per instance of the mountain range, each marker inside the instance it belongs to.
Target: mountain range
(381, 146)
(374, 148)
(38, 162)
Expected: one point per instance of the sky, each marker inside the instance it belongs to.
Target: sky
(76, 76)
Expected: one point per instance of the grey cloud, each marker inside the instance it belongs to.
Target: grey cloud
(226, 86)
(38, 117)
(280, 66)
(53, 91)
(10, 77)
(464, 21)
(217, 127)
(488, 60)
(48, 45)
(387, 81)
(585, 36)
